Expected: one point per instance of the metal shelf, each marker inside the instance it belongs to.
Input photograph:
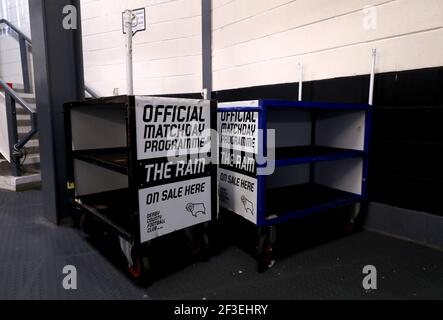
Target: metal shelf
(311, 154)
(286, 203)
(115, 159)
(112, 208)
(275, 104)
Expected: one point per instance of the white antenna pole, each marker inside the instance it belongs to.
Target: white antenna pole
(128, 19)
(300, 82)
(371, 84)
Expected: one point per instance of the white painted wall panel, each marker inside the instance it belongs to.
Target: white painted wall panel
(167, 57)
(414, 51)
(327, 36)
(17, 12)
(256, 42)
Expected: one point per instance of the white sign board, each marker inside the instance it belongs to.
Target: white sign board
(237, 176)
(169, 127)
(173, 172)
(139, 23)
(238, 193)
(168, 208)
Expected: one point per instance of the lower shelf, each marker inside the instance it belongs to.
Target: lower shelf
(112, 208)
(287, 203)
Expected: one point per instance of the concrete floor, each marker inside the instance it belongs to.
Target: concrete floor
(33, 253)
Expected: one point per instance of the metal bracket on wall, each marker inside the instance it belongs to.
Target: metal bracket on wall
(300, 81)
(371, 82)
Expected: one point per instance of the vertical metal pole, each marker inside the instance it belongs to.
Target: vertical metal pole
(128, 18)
(300, 86)
(371, 83)
(58, 68)
(25, 64)
(206, 6)
(11, 117)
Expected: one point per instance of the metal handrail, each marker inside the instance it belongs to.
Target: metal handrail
(16, 97)
(24, 43)
(16, 30)
(91, 92)
(25, 40)
(16, 144)
(12, 98)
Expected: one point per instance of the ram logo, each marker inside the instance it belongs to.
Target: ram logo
(249, 206)
(196, 208)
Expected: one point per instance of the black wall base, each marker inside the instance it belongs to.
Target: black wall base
(406, 224)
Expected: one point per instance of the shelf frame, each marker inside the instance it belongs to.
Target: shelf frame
(262, 107)
(86, 155)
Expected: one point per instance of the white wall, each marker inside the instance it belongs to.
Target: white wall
(256, 42)
(17, 12)
(167, 57)
(260, 42)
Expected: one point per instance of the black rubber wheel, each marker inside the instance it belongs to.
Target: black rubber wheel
(265, 256)
(141, 271)
(353, 220)
(198, 243)
(87, 224)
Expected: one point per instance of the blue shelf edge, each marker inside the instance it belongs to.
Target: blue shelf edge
(313, 105)
(285, 104)
(306, 212)
(348, 154)
(238, 108)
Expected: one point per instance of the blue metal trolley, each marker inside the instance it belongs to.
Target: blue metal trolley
(316, 159)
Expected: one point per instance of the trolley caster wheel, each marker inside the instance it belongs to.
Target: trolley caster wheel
(353, 217)
(349, 227)
(87, 224)
(141, 270)
(205, 245)
(198, 242)
(265, 259)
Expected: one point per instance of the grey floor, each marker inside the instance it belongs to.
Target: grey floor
(33, 253)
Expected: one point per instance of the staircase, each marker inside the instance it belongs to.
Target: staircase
(19, 149)
(30, 177)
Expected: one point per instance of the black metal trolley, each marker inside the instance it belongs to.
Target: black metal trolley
(141, 167)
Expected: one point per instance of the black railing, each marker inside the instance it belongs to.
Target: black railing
(16, 143)
(25, 44)
(91, 92)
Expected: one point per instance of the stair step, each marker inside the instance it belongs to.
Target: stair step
(21, 111)
(23, 123)
(27, 181)
(21, 135)
(23, 129)
(32, 150)
(23, 183)
(31, 160)
(27, 95)
(33, 143)
(23, 117)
